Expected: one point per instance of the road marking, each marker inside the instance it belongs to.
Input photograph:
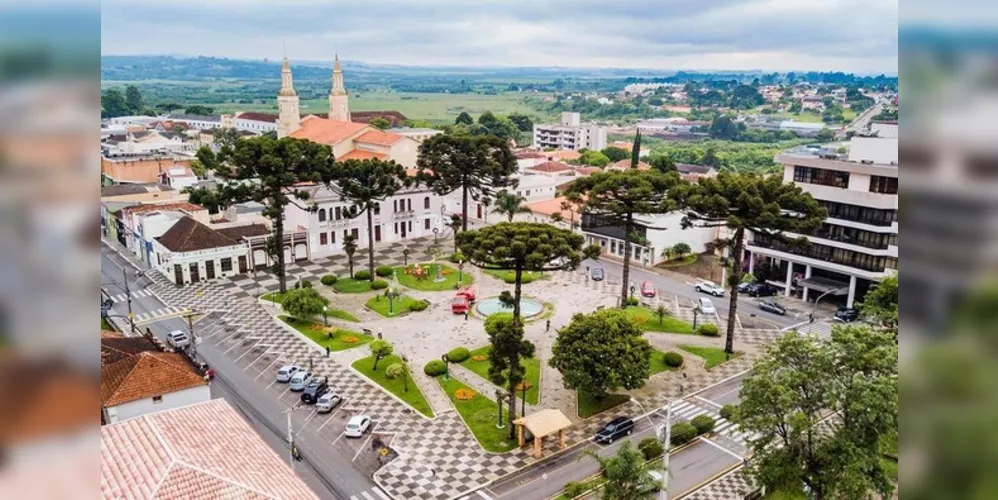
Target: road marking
(342, 433)
(729, 452)
(331, 415)
(307, 420)
(267, 369)
(370, 434)
(483, 495)
(705, 400)
(251, 349)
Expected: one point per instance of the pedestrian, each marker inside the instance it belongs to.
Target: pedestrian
(329, 335)
(379, 335)
(466, 315)
(547, 326)
(327, 351)
(433, 473)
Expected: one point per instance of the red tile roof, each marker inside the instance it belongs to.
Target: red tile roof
(394, 117)
(625, 164)
(360, 154)
(190, 207)
(551, 166)
(379, 138)
(260, 117)
(551, 207)
(564, 155)
(329, 132)
(189, 235)
(204, 450)
(588, 170)
(145, 375)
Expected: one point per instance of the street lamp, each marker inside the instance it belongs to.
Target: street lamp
(460, 272)
(446, 359)
(392, 294)
(405, 255)
(325, 314)
(696, 312)
(814, 308)
(436, 231)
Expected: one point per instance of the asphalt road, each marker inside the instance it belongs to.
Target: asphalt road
(328, 469)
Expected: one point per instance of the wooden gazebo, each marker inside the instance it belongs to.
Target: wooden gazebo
(542, 424)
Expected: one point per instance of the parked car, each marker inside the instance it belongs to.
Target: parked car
(285, 372)
(357, 426)
(459, 304)
(847, 314)
(313, 391)
(178, 339)
(469, 292)
(327, 402)
(300, 380)
(744, 287)
(648, 289)
(597, 274)
(773, 307)
(709, 287)
(706, 306)
(614, 430)
(762, 290)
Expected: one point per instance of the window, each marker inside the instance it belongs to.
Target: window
(426, 224)
(323, 239)
(426, 203)
(395, 206)
(528, 192)
(332, 237)
(409, 203)
(410, 226)
(396, 228)
(322, 215)
(157, 399)
(338, 214)
(377, 209)
(821, 176)
(355, 233)
(226, 264)
(883, 185)
(613, 247)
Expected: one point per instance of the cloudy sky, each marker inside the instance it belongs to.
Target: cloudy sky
(846, 35)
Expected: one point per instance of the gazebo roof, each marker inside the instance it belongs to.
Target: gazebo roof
(544, 422)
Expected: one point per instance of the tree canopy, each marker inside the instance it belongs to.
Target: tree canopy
(464, 119)
(880, 305)
(615, 154)
(304, 303)
(601, 352)
(510, 204)
(594, 159)
(476, 165)
(625, 473)
(822, 410)
(381, 349)
(509, 348)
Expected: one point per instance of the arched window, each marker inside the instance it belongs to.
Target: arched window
(426, 203)
(322, 215)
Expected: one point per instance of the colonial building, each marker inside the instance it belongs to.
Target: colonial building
(190, 252)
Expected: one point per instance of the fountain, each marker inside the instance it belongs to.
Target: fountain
(528, 307)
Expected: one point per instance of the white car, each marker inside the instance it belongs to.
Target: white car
(357, 426)
(709, 287)
(285, 372)
(706, 306)
(178, 339)
(300, 380)
(327, 402)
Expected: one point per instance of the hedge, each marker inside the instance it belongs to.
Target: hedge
(419, 306)
(682, 433)
(458, 354)
(383, 271)
(574, 489)
(457, 257)
(709, 330)
(328, 280)
(729, 412)
(673, 359)
(510, 278)
(633, 301)
(703, 423)
(435, 368)
(379, 285)
(362, 275)
(651, 448)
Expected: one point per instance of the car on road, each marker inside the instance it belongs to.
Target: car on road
(773, 307)
(300, 380)
(178, 339)
(709, 287)
(761, 290)
(648, 289)
(847, 314)
(614, 430)
(285, 372)
(327, 402)
(597, 274)
(313, 391)
(706, 306)
(357, 426)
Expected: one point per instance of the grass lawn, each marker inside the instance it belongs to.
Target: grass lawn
(509, 276)
(589, 405)
(713, 355)
(658, 363)
(685, 261)
(401, 305)
(428, 284)
(786, 494)
(350, 285)
(278, 298)
(481, 415)
(532, 365)
(413, 397)
(890, 467)
(104, 325)
(275, 297)
(317, 332)
(647, 320)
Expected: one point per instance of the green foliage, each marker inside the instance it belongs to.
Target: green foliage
(509, 349)
(304, 303)
(636, 150)
(880, 306)
(362, 275)
(328, 280)
(384, 271)
(523, 122)
(510, 204)
(625, 473)
(724, 128)
(350, 248)
(380, 349)
(632, 301)
(703, 423)
(198, 109)
(651, 448)
(709, 330)
(398, 386)
(397, 371)
(435, 368)
(615, 154)
(458, 354)
(380, 123)
(133, 99)
(574, 489)
(113, 104)
(682, 433)
(394, 371)
(464, 119)
(673, 359)
(303, 284)
(457, 257)
(594, 159)
(419, 305)
(729, 412)
(379, 285)
(601, 352)
(792, 389)
(680, 250)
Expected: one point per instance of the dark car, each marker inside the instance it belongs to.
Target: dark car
(847, 314)
(773, 307)
(314, 391)
(597, 274)
(614, 430)
(744, 287)
(761, 290)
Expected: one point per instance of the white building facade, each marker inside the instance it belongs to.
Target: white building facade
(660, 232)
(570, 134)
(167, 401)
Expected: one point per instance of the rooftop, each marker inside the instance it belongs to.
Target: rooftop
(189, 235)
(259, 117)
(379, 138)
(129, 189)
(360, 154)
(551, 167)
(326, 131)
(135, 368)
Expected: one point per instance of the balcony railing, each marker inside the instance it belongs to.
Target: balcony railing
(828, 254)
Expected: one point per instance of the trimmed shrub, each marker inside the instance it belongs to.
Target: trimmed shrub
(328, 280)
(729, 412)
(383, 271)
(709, 330)
(673, 359)
(457, 257)
(633, 301)
(574, 489)
(419, 306)
(435, 368)
(303, 284)
(703, 423)
(379, 285)
(651, 448)
(362, 275)
(682, 433)
(459, 354)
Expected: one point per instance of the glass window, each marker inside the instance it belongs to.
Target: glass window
(426, 203)
(821, 176)
(883, 185)
(322, 215)
(226, 264)
(355, 232)
(332, 237)
(426, 224)
(323, 239)
(409, 203)
(338, 214)
(377, 209)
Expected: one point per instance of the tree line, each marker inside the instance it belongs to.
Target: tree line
(115, 103)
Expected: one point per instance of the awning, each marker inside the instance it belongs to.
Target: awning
(544, 422)
(824, 285)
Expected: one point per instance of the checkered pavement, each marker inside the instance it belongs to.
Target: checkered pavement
(737, 484)
(687, 409)
(581, 278)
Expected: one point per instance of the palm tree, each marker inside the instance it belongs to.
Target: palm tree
(569, 207)
(350, 247)
(625, 474)
(510, 204)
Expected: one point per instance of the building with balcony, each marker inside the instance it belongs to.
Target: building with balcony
(858, 242)
(570, 134)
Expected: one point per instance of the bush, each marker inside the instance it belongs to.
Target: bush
(362, 275)
(328, 280)
(435, 368)
(383, 271)
(709, 330)
(457, 257)
(673, 359)
(729, 412)
(633, 301)
(419, 306)
(682, 433)
(459, 354)
(703, 423)
(651, 448)
(379, 285)
(303, 284)
(574, 489)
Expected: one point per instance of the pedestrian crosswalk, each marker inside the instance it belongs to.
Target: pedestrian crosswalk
(371, 494)
(123, 297)
(158, 314)
(684, 410)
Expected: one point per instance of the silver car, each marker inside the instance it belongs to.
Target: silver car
(709, 287)
(327, 402)
(285, 372)
(178, 339)
(300, 380)
(706, 306)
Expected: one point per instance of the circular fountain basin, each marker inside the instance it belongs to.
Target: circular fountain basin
(490, 306)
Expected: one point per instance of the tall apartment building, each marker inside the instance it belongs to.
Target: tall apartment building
(858, 243)
(570, 134)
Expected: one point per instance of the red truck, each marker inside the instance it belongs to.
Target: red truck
(462, 300)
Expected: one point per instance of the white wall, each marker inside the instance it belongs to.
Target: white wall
(164, 260)
(405, 152)
(169, 401)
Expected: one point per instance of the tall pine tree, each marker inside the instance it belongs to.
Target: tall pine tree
(636, 150)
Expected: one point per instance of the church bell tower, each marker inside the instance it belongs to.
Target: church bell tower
(339, 109)
(288, 111)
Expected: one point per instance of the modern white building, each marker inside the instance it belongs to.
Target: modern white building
(570, 134)
(858, 243)
(660, 231)
(419, 134)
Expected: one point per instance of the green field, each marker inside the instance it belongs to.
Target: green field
(413, 397)
(350, 285)
(104, 325)
(481, 414)
(382, 305)
(647, 320)
(589, 405)
(428, 284)
(341, 339)
(532, 365)
(658, 363)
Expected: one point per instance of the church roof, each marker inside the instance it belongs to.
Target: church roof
(325, 131)
(361, 154)
(379, 138)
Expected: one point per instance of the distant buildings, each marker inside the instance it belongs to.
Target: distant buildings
(570, 134)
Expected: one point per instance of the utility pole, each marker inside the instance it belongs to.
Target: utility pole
(128, 295)
(291, 443)
(666, 444)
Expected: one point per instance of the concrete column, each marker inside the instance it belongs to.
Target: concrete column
(561, 439)
(520, 437)
(790, 278)
(852, 291)
(537, 447)
(751, 263)
(807, 274)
